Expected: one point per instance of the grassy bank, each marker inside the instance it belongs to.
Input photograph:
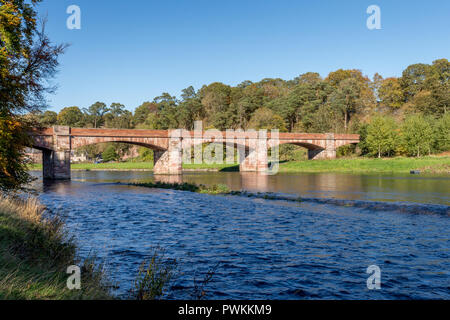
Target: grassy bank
(440, 165)
(35, 253)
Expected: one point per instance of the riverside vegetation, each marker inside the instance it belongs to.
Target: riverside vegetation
(35, 251)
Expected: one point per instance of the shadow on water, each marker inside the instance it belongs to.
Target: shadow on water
(230, 169)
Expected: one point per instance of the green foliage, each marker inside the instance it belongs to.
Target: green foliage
(13, 167)
(27, 61)
(143, 111)
(346, 151)
(442, 133)
(95, 114)
(154, 276)
(264, 118)
(145, 154)
(347, 99)
(71, 116)
(110, 154)
(290, 152)
(118, 117)
(381, 136)
(417, 135)
(391, 94)
(35, 252)
(48, 119)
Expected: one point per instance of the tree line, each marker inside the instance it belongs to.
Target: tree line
(407, 115)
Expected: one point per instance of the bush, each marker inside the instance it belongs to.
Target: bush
(110, 154)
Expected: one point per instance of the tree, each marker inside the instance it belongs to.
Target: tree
(118, 117)
(13, 168)
(413, 79)
(110, 154)
(95, 114)
(442, 133)
(71, 116)
(48, 119)
(336, 77)
(142, 112)
(381, 136)
(245, 101)
(306, 98)
(391, 94)
(264, 118)
(347, 99)
(417, 135)
(27, 61)
(438, 83)
(190, 109)
(216, 100)
(167, 115)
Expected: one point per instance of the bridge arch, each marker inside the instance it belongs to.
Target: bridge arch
(151, 143)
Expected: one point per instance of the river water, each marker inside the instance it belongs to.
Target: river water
(268, 249)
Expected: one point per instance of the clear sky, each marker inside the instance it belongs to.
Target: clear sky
(131, 51)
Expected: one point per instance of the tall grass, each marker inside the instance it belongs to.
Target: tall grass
(154, 276)
(35, 251)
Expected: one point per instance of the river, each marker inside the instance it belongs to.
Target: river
(268, 249)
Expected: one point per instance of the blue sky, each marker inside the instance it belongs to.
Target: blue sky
(132, 51)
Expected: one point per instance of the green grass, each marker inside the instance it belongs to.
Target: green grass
(35, 253)
(365, 165)
(344, 165)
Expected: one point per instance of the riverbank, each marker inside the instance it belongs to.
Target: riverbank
(35, 253)
(400, 165)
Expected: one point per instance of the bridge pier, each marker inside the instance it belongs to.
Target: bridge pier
(329, 152)
(256, 160)
(56, 163)
(169, 161)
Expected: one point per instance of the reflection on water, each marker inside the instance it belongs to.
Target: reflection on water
(265, 249)
(411, 188)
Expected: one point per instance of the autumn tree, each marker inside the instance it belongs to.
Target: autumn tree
(27, 60)
(391, 94)
(264, 118)
(143, 111)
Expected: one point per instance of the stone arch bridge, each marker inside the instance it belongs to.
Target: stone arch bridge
(57, 143)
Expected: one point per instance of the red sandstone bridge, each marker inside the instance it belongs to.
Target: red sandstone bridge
(57, 143)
